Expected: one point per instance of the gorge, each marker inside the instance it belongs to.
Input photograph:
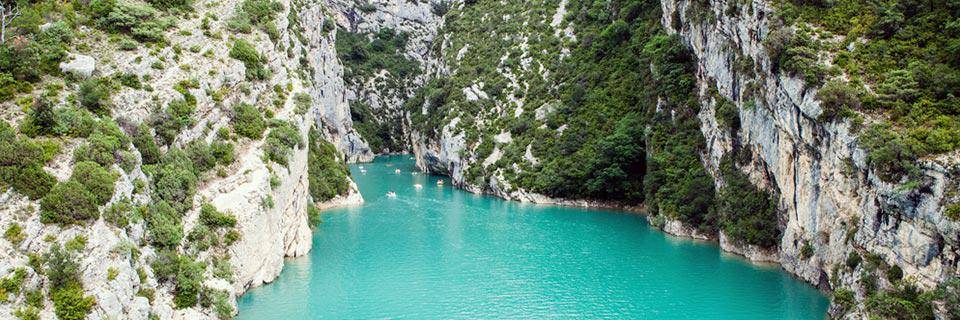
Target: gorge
(169, 155)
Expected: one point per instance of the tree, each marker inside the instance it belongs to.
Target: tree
(8, 12)
(68, 203)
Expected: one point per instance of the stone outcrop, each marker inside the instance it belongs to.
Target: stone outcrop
(829, 197)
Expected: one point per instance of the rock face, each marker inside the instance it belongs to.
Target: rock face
(829, 198)
(269, 200)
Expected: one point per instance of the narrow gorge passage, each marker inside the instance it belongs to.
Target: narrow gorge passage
(440, 252)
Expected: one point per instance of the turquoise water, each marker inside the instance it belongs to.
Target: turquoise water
(440, 253)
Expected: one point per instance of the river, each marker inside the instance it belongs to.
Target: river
(438, 252)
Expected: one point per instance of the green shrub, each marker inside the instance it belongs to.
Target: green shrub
(201, 155)
(247, 121)
(176, 117)
(21, 164)
(853, 260)
(302, 102)
(209, 216)
(176, 180)
(224, 152)
(328, 178)
(905, 301)
(94, 95)
(185, 5)
(746, 213)
(95, 179)
(144, 142)
(68, 203)
(185, 274)
(952, 211)
(313, 216)
(807, 251)
(164, 228)
(894, 274)
(66, 290)
(247, 53)
(14, 233)
(837, 98)
(281, 140)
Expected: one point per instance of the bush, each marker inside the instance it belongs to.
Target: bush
(185, 5)
(281, 139)
(176, 117)
(209, 216)
(144, 142)
(186, 275)
(247, 121)
(201, 155)
(94, 95)
(223, 152)
(327, 176)
(95, 179)
(746, 213)
(68, 203)
(176, 180)
(853, 260)
(894, 274)
(66, 290)
(302, 101)
(837, 98)
(21, 164)
(313, 216)
(247, 53)
(164, 229)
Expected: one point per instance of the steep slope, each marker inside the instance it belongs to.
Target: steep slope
(209, 181)
(562, 101)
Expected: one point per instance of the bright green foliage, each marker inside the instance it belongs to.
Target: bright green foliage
(30, 53)
(746, 213)
(313, 216)
(185, 274)
(21, 164)
(12, 284)
(94, 95)
(364, 55)
(223, 152)
(103, 145)
(175, 180)
(164, 228)
(14, 233)
(254, 12)
(281, 140)
(176, 117)
(327, 176)
(138, 20)
(910, 61)
(66, 290)
(95, 179)
(144, 142)
(201, 155)
(905, 301)
(248, 121)
(68, 203)
(209, 216)
(247, 53)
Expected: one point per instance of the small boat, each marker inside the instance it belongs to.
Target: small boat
(440, 182)
(363, 170)
(361, 167)
(396, 171)
(391, 194)
(418, 186)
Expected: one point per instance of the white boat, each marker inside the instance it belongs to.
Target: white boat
(396, 171)
(363, 170)
(391, 194)
(361, 167)
(418, 186)
(440, 182)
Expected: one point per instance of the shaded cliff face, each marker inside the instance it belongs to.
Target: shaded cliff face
(830, 198)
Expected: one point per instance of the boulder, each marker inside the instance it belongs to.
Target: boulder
(79, 65)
